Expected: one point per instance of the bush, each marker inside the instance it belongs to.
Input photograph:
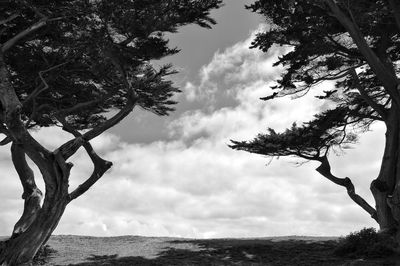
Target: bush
(43, 255)
(366, 243)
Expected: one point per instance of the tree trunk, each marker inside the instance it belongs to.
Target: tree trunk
(21, 249)
(32, 194)
(384, 188)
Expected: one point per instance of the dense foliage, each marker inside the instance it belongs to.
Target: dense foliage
(92, 55)
(366, 243)
(356, 45)
(322, 50)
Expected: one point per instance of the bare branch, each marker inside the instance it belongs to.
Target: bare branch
(70, 147)
(5, 141)
(10, 43)
(100, 165)
(325, 170)
(10, 18)
(79, 106)
(34, 27)
(39, 90)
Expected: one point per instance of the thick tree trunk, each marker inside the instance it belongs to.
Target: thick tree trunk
(38, 222)
(384, 188)
(31, 195)
(21, 249)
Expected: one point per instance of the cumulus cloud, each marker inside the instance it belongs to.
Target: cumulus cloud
(235, 65)
(196, 186)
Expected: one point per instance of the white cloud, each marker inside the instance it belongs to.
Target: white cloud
(196, 186)
(228, 69)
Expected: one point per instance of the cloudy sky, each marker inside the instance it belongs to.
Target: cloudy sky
(176, 176)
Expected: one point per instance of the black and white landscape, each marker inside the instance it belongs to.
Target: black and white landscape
(180, 121)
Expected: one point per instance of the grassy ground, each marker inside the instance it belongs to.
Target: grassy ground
(243, 252)
(90, 251)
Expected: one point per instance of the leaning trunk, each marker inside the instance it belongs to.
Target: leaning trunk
(21, 249)
(385, 188)
(32, 195)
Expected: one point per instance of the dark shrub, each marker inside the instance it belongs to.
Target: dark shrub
(43, 255)
(366, 243)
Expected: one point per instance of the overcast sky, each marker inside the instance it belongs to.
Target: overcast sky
(176, 176)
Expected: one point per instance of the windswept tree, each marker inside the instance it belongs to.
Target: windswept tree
(82, 66)
(356, 44)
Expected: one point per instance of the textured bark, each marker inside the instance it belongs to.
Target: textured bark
(21, 249)
(31, 195)
(386, 187)
(36, 224)
(384, 184)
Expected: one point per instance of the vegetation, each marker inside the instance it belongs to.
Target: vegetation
(43, 255)
(72, 64)
(355, 44)
(366, 243)
(312, 251)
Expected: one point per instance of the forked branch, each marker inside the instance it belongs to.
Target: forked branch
(325, 170)
(45, 86)
(70, 147)
(100, 165)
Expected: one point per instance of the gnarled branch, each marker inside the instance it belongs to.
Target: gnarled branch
(100, 165)
(39, 90)
(70, 147)
(325, 170)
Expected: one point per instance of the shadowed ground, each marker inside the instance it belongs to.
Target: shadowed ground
(243, 252)
(134, 250)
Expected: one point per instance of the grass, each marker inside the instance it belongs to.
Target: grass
(365, 247)
(247, 252)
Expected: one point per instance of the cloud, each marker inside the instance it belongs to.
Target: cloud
(231, 67)
(194, 185)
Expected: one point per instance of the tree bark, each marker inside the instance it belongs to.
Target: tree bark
(32, 194)
(36, 224)
(21, 249)
(383, 186)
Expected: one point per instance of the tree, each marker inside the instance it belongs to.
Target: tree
(356, 44)
(72, 64)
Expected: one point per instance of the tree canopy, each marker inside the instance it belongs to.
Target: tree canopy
(82, 66)
(81, 57)
(356, 45)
